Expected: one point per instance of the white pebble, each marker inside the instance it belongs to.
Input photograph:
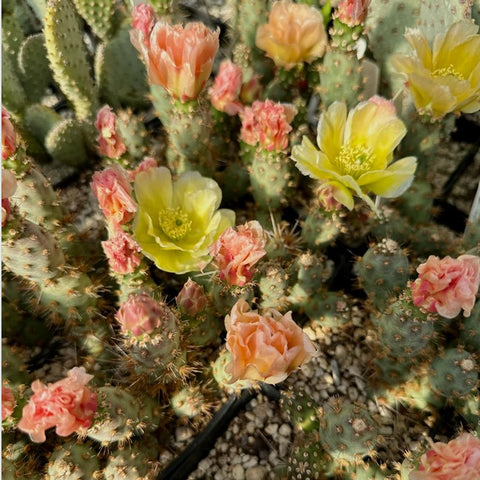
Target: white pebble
(285, 430)
(238, 473)
(256, 473)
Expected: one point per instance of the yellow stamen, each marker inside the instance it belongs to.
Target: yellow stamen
(174, 222)
(355, 160)
(446, 71)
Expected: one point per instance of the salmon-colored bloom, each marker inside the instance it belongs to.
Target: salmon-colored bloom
(179, 58)
(236, 252)
(141, 314)
(122, 252)
(9, 186)
(110, 142)
(353, 12)
(443, 78)
(267, 124)
(192, 298)
(9, 144)
(459, 459)
(448, 285)
(67, 405)
(264, 347)
(113, 191)
(8, 402)
(294, 33)
(356, 152)
(224, 94)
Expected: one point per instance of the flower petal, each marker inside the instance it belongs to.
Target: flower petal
(330, 129)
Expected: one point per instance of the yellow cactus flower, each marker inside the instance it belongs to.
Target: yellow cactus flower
(294, 33)
(176, 222)
(356, 152)
(445, 78)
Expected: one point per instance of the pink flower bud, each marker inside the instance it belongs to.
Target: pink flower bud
(110, 142)
(178, 58)
(9, 144)
(192, 298)
(226, 89)
(67, 405)
(8, 402)
(236, 252)
(457, 459)
(121, 251)
(264, 347)
(113, 191)
(140, 314)
(327, 196)
(146, 164)
(267, 124)
(353, 12)
(143, 20)
(448, 285)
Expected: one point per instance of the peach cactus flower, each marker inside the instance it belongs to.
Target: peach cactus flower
(264, 347)
(225, 92)
(179, 58)
(110, 142)
(459, 459)
(267, 124)
(140, 314)
(69, 405)
(121, 251)
(235, 252)
(447, 285)
(9, 144)
(8, 402)
(113, 191)
(294, 33)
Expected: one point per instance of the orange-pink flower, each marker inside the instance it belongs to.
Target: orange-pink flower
(225, 92)
(8, 402)
(110, 142)
(267, 124)
(294, 34)
(447, 285)
(140, 314)
(264, 347)
(122, 252)
(9, 144)
(459, 459)
(353, 12)
(179, 58)
(192, 298)
(113, 191)
(67, 405)
(236, 252)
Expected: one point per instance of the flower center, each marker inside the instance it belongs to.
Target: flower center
(174, 222)
(355, 160)
(446, 71)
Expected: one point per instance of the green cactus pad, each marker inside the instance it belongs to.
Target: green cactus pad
(65, 143)
(120, 73)
(68, 57)
(99, 14)
(35, 70)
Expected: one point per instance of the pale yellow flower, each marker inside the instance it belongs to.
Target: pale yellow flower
(176, 222)
(294, 33)
(356, 152)
(446, 77)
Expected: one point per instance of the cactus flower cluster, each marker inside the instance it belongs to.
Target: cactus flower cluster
(269, 198)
